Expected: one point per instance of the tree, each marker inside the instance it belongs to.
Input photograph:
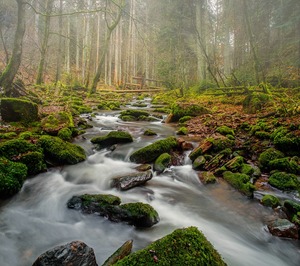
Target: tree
(9, 73)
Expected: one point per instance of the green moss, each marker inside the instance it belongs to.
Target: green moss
(34, 161)
(136, 114)
(181, 110)
(60, 152)
(182, 131)
(183, 247)
(240, 181)
(12, 176)
(140, 210)
(270, 201)
(184, 119)
(285, 165)
(218, 160)
(289, 144)
(151, 152)
(65, 134)
(262, 135)
(199, 163)
(149, 132)
(162, 162)
(128, 118)
(235, 164)
(109, 105)
(208, 178)
(269, 155)
(247, 169)
(26, 135)
(8, 135)
(112, 138)
(220, 144)
(56, 121)
(284, 181)
(292, 207)
(255, 102)
(100, 199)
(225, 130)
(16, 147)
(13, 110)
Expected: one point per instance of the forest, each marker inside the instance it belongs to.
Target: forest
(149, 132)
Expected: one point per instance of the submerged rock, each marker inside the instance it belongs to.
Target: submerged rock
(128, 181)
(113, 137)
(182, 247)
(75, 253)
(138, 214)
(283, 228)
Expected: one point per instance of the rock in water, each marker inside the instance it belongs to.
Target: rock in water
(131, 180)
(283, 228)
(75, 253)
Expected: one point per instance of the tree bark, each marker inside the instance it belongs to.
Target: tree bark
(9, 73)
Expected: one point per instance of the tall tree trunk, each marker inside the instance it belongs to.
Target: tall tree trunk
(9, 73)
(110, 29)
(60, 42)
(44, 48)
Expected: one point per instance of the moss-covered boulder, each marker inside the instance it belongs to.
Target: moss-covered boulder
(218, 160)
(270, 201)
(292, 210)
(289, 143)
(180, 110)
(283, 228)
(204, 147)
(151, 152)
(59, 152)
(239, 181)
(12, 176)
(199, 163)
(267, 156)
(138, 214)
(255, 102)
(113, 137)
(182, 247)
(248, 169)
(20, 150)
(65, 134)
(225, 130)
(286, 165)
(235, 164)
(184, 119)
(149, 132)
(182, 131)
(284, 181)
(134, 115)
(162, 162)
(15, 110)
(54, 122)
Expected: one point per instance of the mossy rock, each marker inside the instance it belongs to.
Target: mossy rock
(247, 169)
(220, 143)
(289, 144)
(60, 152)
(235, 164)
(54, 122)
(203, 148)
(17, 110)
(255, 102)
(262, 135)
(8, 135)
(65, 134)
(184, 119)
(140, 214)
(162, 162)
(291, 207)
(182, 131)
(151, 152)
(218, 160)
(13, 148)
(34, 161)
(109, 105)
(208, 177)
(113, 137)
(182, 247)
(270, 201)
(269, 155)
(239, 181)
(12, 176)
(180, 110)
(134, 115)
(284, 181)
(149, 132)
(285, 165)
(225, 130)
(199, 163)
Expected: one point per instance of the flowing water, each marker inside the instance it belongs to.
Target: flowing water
(37, 218)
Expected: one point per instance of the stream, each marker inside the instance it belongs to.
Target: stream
(37, 218)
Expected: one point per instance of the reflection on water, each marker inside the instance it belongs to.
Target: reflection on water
(37, 218)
